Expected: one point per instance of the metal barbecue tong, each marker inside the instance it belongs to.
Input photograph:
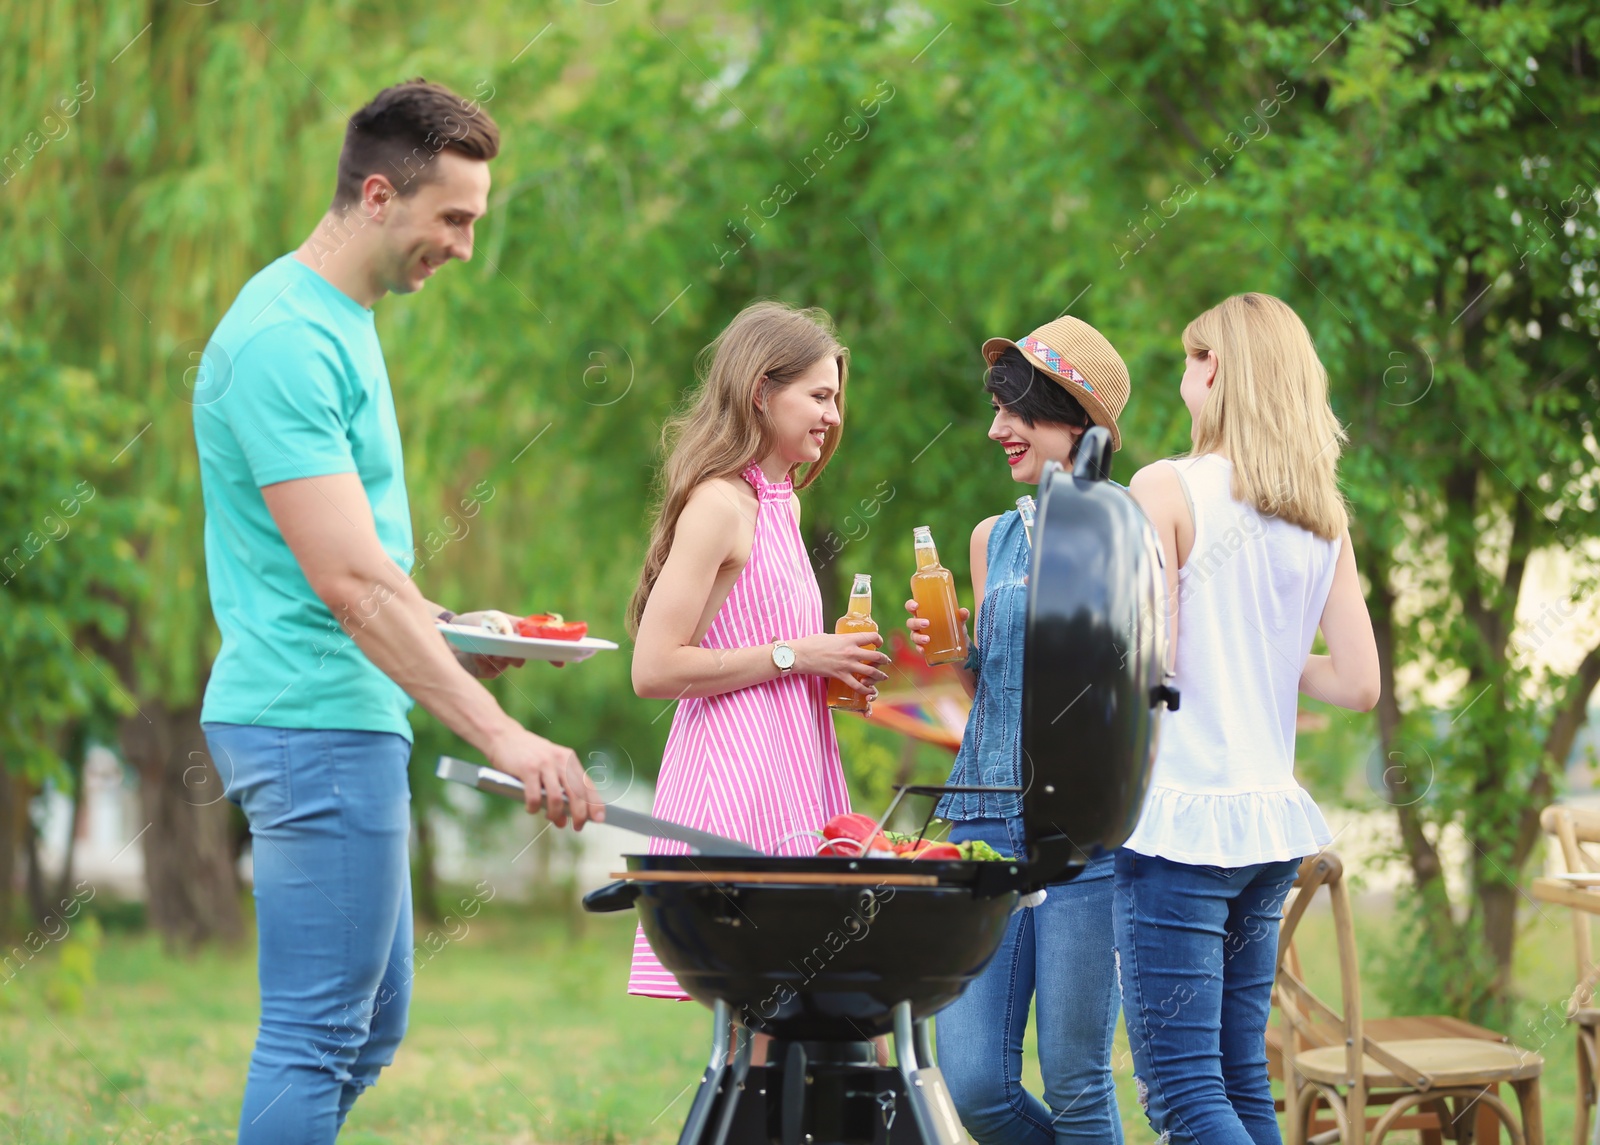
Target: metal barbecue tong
(499, 783)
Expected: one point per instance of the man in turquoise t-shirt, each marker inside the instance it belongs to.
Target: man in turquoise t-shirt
(325, 638)
(308, 397)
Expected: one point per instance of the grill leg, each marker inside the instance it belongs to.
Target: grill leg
(705, 1100)
(793, 1110)
(930, 1099)
(734, 1084)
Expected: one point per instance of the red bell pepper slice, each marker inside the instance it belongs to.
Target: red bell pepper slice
(551, 626)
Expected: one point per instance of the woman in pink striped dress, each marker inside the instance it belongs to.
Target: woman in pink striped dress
(727, 618)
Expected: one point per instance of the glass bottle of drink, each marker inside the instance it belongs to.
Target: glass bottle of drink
(1026, 509)
(857, 619)
(933, 587)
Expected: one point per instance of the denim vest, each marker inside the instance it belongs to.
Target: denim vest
(991, 748)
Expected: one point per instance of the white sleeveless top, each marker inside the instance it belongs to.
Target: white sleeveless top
(1250, 598)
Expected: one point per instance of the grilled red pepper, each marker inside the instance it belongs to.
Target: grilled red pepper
(852, 834)
(850, 825)
(935, 851)
(551, 626)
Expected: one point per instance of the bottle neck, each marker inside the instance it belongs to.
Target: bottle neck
(927, 557)
(861, 604)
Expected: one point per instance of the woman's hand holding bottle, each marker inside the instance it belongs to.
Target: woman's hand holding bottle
(919, 626)
(850, 658)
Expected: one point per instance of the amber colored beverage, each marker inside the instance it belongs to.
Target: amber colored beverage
(933, 587)
(857, 619)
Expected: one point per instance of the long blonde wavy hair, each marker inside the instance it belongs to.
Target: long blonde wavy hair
(720, 432)
(1268, 412)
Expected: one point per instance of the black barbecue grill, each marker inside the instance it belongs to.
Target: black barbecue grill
(824, 954)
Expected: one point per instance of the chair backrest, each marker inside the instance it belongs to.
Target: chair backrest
(1309, 1021)
(1572, 828)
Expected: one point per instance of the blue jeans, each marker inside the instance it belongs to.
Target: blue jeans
(1059, 955)
(330, 817)
(1197, 949)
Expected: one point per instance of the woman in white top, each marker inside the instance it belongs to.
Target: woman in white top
(1258, 560)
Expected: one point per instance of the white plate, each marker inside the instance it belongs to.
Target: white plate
(486, 643)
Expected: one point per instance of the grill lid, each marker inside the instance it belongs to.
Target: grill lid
(1093, 667)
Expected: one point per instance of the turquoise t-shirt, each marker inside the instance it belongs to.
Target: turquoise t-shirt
(293, 385)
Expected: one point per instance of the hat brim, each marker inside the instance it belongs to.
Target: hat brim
(1092, 405)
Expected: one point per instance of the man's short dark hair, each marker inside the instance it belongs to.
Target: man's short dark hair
(1030, 393)
(400, 132)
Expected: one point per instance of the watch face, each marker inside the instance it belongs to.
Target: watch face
(783, 656)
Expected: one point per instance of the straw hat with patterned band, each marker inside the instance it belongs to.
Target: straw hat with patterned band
(1077, 356)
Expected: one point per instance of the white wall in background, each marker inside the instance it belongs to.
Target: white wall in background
(109, 854)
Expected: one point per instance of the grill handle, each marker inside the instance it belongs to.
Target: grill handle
(1094, 455)
(612, 897)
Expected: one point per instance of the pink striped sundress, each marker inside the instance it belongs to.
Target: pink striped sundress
(760, 764)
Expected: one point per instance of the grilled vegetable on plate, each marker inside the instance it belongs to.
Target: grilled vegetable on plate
(540, 636)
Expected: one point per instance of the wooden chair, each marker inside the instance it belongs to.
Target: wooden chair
(1430, 1083)
(1407, 1028)
(1392, 1029)
(1578, 887)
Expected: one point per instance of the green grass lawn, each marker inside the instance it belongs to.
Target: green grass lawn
(520, 1032)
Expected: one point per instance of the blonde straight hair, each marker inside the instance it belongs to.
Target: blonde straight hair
(1268, 412)
(720, 432)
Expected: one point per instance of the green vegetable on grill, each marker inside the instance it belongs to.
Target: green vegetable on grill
(971, 849)
(978, 849)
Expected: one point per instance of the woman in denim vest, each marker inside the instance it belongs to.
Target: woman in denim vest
(1046, 391)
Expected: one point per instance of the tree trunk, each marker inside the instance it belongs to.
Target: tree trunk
(1497, 903)
(188, 848)
(1572, 712)
(1405, 782)
(45, 901)
(425, 879)
(12, 807)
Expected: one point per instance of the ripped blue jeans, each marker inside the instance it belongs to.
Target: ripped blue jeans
(1057, 956)
(330, 817)
(1197, 949)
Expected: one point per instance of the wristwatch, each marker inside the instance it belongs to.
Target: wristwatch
(783, 656)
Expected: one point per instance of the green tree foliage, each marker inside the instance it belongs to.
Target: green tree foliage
(66, 550)
(1416, 179)
(1432, 198)
(65, 561)
(1420, 182)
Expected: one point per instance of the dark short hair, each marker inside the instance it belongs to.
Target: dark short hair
(1030, 393)
(402, 129)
